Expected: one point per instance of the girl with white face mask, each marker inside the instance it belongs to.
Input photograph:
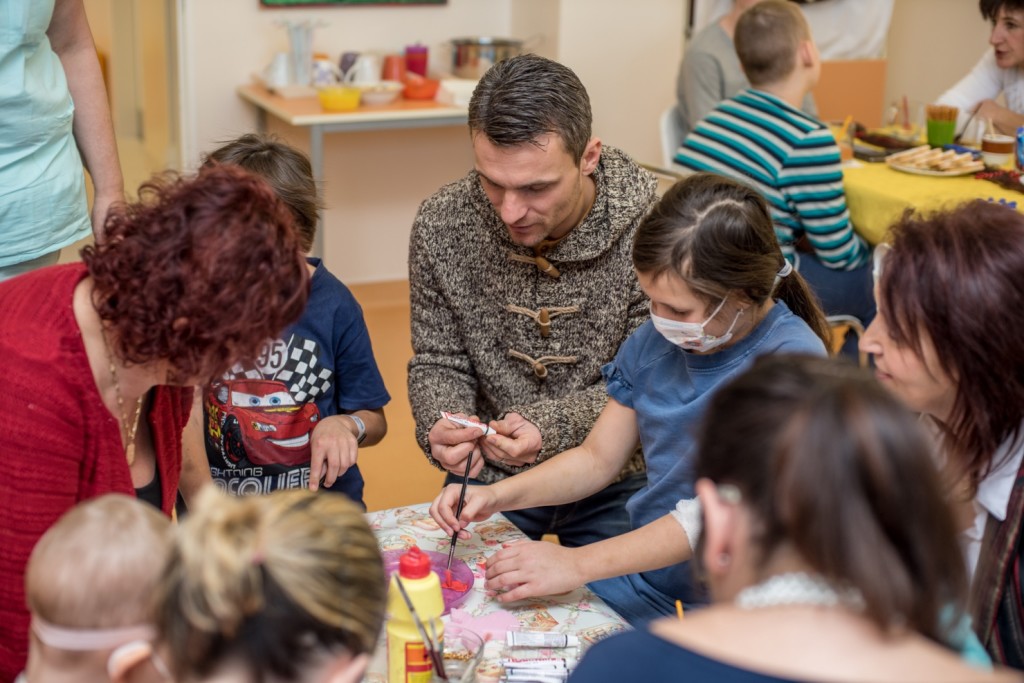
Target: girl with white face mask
(721, 295)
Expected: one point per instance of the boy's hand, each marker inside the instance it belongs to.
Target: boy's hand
(334, 449)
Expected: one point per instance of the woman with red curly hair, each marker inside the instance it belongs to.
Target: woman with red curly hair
(98, 358)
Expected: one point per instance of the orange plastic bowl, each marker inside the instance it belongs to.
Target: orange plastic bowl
(420, 88)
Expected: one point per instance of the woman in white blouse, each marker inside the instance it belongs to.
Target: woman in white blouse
(1000, 71)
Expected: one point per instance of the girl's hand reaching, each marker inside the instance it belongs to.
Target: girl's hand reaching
(530, 569)
(481, 502)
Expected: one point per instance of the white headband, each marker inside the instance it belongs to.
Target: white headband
(89, 640)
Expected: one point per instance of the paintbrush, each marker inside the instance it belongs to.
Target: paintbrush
(458, 511)
(438, 642)
(428, 644)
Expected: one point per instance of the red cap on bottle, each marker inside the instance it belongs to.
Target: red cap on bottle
(414, 564)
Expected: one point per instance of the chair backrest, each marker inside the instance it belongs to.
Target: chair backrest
(843, 325)
(853, 87)
(666, 177)
(671, 136)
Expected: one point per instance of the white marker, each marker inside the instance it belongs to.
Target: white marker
(541, 639)
(467, 423)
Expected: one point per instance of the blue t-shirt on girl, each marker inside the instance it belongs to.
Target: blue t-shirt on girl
(258, 420)
(670, 389)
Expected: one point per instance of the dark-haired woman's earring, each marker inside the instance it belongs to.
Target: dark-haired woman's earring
(724, 559)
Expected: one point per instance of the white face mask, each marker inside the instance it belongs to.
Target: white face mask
(691, 336)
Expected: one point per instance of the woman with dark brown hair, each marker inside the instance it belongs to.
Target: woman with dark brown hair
(98, 358)
(949, 341)
(823, 565)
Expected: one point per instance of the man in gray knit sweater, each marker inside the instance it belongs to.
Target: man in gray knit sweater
(522, 287)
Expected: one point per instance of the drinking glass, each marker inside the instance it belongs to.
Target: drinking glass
(941, 132)
(462, 651)
(300, 49)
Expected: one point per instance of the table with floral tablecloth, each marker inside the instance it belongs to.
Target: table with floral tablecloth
(579, 612)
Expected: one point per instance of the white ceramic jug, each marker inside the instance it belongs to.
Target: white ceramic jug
(366, 70)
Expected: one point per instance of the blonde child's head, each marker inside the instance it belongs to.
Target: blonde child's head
(285, 586)
(89, 586)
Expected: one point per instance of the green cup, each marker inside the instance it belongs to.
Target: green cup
(941, 132)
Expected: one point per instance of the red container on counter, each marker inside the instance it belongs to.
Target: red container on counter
(416, 59)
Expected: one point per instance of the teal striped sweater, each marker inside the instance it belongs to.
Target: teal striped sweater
(792, 159)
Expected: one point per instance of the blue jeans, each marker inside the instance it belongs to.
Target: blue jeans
(635, 600)
(589, 520)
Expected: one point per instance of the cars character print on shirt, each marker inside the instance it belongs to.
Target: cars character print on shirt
(265, 416)
(260, 420)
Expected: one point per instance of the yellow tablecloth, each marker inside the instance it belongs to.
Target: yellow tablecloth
(877, 195)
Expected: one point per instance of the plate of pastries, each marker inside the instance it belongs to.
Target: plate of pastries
(925, 160)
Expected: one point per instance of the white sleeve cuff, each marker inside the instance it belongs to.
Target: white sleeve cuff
(688, 513)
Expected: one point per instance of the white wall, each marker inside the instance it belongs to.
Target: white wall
(627, 54)
(932, 43)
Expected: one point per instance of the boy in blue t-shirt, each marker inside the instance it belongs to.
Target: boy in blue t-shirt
(298, 416)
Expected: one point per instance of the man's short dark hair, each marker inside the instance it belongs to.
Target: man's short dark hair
(524, 97)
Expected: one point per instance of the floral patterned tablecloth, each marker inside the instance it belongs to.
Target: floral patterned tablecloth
(579, 612)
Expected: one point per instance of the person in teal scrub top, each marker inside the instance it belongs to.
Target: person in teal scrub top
(55, 119)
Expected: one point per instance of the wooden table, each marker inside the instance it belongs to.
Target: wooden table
(878, 195)
(579, 612)
(306, 112)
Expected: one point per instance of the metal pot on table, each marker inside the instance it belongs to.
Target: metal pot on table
(472, 57)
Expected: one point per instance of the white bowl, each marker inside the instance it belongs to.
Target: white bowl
(384, 92)
(996, 159)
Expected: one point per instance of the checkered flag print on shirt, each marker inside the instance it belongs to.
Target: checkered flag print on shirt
(301, 371)
(305, 377)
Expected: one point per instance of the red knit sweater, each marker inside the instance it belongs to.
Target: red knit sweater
(59, 444)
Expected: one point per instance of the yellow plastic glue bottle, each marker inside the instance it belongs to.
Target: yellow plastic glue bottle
(408, 659)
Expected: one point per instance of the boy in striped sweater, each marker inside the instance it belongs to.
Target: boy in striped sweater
(761, 137)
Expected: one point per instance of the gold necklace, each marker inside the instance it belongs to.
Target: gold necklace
(130, 428)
